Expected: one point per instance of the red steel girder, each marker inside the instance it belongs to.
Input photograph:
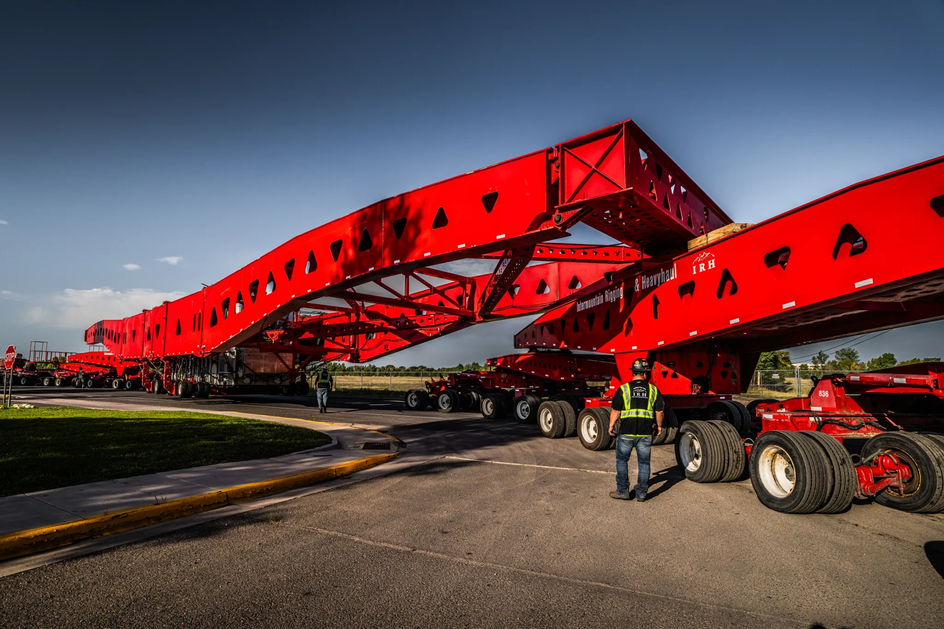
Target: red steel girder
(557, 366)
(778, 282)
(519, 203)
(567, 252)
(632, 191)
(402, 325)
(510, 266)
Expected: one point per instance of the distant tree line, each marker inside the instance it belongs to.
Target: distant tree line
(342, 368)
(844, 360)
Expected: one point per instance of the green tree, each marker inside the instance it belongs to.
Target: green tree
(770, 361)
(847, 359)
(884, 361)
(820, 359)
(913, 361)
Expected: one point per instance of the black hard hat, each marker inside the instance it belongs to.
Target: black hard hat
(641, 366)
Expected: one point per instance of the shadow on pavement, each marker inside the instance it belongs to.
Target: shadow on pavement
(668, 477)
(935, 554)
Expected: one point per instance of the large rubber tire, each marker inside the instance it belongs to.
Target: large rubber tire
(416, 400)
(24, 381)
(593, 429)
(924, 493)
(61, 382)
(728, 412)
(476, 400)
(117, 383)
(570, 418)
(201, 390)
(47, 381)
(131, 385)
(568, 398)
(185, 390)
(448, 401)
(302, 388)
(91, 383)
(746, 424)
(465, 401)
(493, 405)
(699, 451)
(526, 408)
(789, 472)
(551, 419)
(734, 458)
(670, 426)
(843, 472)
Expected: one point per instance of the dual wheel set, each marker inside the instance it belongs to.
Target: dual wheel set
(812, 472)
(46, 381)
(185, 389)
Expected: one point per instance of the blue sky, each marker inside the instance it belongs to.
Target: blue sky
(205, 134)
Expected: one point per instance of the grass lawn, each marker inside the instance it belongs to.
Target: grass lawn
(45, 448)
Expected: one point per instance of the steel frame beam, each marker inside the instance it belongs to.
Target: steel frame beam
(816, 272)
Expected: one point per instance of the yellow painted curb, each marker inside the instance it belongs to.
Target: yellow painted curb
(49, 537)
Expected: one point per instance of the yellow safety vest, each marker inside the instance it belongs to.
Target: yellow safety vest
(640, 413)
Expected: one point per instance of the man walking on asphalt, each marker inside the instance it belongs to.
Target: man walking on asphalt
(638, 406)
(323, 385)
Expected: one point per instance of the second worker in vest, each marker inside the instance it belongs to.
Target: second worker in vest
(323, 385)
(638, 408)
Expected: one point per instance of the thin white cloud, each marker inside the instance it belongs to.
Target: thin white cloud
(78, 309)
(171, 260)
(3, 222)
(131, 267)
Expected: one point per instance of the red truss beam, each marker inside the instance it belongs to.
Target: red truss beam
(632, 191)
(813, 273)
(567, 252)
(391, 324)
(510, 266)
(517, 204)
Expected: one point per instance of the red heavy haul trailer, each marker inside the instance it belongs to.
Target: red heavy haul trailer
(517, 383)
(684, 288)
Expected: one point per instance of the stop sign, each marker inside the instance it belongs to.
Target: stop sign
(9, 358)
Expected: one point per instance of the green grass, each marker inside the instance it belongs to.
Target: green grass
(45, 448)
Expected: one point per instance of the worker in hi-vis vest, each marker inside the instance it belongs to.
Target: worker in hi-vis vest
(322, 386)
(639, 408)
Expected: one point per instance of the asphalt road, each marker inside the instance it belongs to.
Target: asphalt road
(486, 523)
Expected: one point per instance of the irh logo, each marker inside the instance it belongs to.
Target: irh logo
(704, 262)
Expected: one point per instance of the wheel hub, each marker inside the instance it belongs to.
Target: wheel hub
(777, 472)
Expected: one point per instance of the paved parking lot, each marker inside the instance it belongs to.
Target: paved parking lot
(486, 523)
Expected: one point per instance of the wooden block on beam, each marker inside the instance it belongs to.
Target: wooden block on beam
(717, 234)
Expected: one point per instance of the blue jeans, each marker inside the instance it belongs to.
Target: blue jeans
(322, 394)
(624, 448)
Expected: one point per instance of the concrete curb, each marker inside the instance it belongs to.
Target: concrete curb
(46, 538)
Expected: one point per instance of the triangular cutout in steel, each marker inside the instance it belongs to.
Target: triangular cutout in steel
(441, 219)
(489, 201)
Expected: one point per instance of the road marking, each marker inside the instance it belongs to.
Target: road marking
(525, 571)
(544, 467)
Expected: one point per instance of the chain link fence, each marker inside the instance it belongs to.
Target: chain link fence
(783, 383)
(380, 381)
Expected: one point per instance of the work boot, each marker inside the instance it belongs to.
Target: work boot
(620, 496)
